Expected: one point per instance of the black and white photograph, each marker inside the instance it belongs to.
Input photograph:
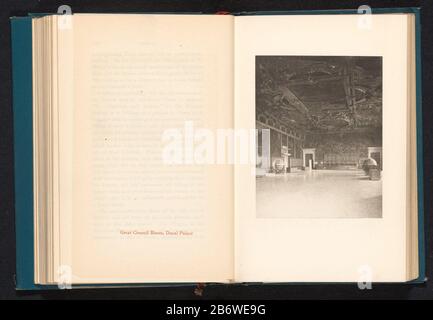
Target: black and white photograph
(319, 137)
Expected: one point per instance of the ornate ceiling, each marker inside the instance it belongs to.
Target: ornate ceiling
(320, 93)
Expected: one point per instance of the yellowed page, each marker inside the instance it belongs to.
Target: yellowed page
(412, 234)
(135, 218)
(65, 53)
(325, 249)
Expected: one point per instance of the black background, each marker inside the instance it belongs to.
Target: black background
(348, 291)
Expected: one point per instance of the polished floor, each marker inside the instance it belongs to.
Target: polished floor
(319, 194)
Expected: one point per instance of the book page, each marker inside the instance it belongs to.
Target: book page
(146, 207)
(325, 200)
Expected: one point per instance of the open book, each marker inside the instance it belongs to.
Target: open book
(219, 148)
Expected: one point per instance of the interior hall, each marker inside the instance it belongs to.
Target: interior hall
(319, 139)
